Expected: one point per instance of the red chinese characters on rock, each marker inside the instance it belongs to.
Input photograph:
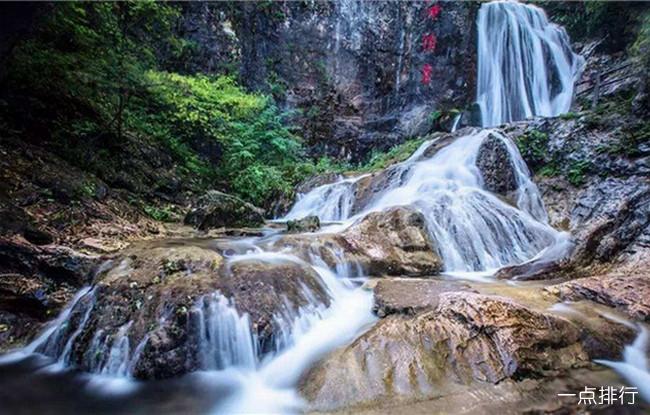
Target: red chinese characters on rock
(434, 11)
(427, 69)
(429, 42)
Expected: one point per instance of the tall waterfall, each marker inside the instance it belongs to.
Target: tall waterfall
(525, 64)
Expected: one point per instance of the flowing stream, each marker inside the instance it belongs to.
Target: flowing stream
(526, 68)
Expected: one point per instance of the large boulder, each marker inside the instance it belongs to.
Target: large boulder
(409, 296)
(496, 166)
(35, 283)
(309, 223)
(392, 242)
(465, 339)
(150, 308)
(216, 209)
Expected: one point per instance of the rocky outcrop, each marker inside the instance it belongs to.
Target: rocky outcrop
(466, 338)
(409, 296)
(306, 224)
(364, 75)
(216, 209)
(392, 242)
(35, 283)
(627, 293)
(496, 167)
(151, 295)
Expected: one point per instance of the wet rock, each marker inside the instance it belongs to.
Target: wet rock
(306, 224)
(391, 242)
(409, 296)
(151, 296)
(496, 166)
(367, 188)
(628, 293)
(357, 99)
(466, 338)
(216, 209)
(35, 283)
(609, 217)
(535, 270)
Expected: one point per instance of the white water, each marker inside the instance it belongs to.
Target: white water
(634, 368)
(476, 233)
(456, 122)
(474, 229)
(525, 64)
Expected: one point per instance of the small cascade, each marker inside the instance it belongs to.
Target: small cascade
(333, 202)
(456, 123)
(106, 355)
(225, 337)
(474, 229)
(635, 367)
(525, 64)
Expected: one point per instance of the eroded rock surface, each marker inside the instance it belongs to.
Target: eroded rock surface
(628, 293)
(392, 242)
(466, 338)
(496, 166)
(216, 209)
(151, 296)
(409, 296)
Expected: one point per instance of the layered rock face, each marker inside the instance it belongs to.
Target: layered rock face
(364, 74)
(462, 338)
(392, 242)
(148, 311)
(216, 209)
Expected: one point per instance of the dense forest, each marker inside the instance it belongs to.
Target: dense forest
(213, 187)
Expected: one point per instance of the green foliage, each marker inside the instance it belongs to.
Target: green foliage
(163, 214)
(86, 61)
(615, 23)
(550, 170)
(533, 146)
(577, 171)
(401, 152)
(259, 153)
(92, 77)
(641, 46)
(569, 116)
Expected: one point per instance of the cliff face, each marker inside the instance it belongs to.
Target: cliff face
(361, 75)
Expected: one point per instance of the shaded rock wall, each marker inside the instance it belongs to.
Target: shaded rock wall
(361, 74)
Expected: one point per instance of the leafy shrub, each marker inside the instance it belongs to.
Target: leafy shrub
(577, 171)
(259, 153)
(533, 146)
(400, 152)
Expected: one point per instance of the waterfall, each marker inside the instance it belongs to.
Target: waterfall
(525, 68)
(225, 337)
(474, 229)
(525, 64)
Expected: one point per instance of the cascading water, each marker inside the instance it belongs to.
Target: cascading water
(475, 231)
(525, 64)
(635, 367)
